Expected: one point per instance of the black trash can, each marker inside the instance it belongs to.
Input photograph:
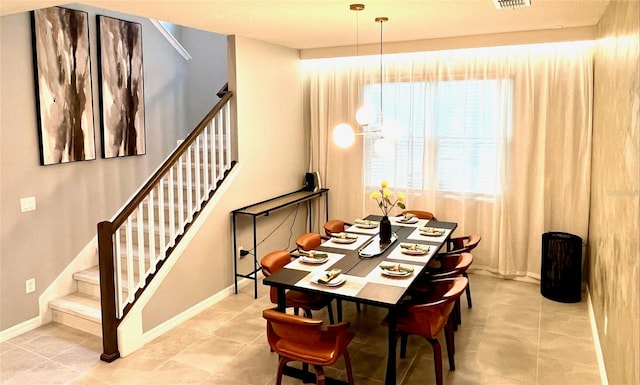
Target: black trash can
(561, 272)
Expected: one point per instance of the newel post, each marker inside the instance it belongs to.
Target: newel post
(107, 293)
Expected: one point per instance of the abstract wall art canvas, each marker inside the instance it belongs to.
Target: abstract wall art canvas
(62, 70)
(121, 87)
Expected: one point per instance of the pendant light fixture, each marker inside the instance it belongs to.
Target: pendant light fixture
(383, 146)
(343, 134)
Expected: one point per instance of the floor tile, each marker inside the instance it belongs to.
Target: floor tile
(511, 336)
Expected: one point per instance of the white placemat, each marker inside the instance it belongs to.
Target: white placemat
(360, 230)
(362, 238)
(351, 286)
(396, 221)
(376, 276)
(415, 234)
(397, 254)
(297, 264)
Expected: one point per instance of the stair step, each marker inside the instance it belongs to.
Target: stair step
(80, 311)
(89, 282)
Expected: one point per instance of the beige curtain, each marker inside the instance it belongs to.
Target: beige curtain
(544, 159)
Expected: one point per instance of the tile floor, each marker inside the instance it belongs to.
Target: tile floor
(512, 335)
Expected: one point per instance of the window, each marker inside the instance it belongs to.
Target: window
(449, 135)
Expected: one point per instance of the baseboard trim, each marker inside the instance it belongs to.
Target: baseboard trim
(192, 311)
(596, 341)
(20, 328)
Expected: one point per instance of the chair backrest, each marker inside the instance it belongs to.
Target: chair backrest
(452, 265)
(271, 263)
(304, 339)
(420, 214)
(308, 241)
(464, 244)
(333, 226)
(429, 317)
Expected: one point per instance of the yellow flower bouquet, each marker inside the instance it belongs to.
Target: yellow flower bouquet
(385, 199)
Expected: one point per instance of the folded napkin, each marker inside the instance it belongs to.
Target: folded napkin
(396, 267)
(431, 230)
(344, 236)
(413, 246)
(365, 222)
(326, 278)
(313, 254)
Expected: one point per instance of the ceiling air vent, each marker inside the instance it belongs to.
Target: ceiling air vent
(503, 4)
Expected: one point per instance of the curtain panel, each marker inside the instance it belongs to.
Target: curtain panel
(543, 122)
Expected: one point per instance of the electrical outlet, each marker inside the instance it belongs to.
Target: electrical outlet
(30, 285)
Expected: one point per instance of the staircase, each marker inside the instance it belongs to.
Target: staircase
(136, 242)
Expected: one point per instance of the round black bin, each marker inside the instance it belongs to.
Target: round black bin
(561, 270)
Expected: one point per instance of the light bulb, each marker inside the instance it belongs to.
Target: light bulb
(384, 148)
(343, 135)
(365, 115)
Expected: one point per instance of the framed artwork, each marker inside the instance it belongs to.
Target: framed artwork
(62, 72)
(121, 87)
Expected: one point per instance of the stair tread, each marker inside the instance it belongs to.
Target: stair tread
(79, 304)
(92, 275)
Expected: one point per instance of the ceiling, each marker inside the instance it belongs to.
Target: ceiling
(308, 24)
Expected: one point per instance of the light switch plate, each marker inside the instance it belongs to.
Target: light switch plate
(27, 204)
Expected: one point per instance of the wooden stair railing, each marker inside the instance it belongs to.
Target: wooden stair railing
(137, 241)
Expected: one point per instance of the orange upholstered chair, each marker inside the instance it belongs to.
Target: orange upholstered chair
(420, 214)
(451, 265)
(308, 241)
(334, 226)
(464, 244)
(308, 341)
(428, 317)
(275, 261)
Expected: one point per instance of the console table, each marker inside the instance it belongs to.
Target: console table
(264, 208)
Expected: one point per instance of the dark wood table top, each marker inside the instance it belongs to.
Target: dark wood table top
(363, 283)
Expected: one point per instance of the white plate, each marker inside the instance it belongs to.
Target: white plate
(413, 252)
(394, 273)
(366, 226)
(435, 233)
(408, 221)
(313, 260)
(343, 240)
(339, 280)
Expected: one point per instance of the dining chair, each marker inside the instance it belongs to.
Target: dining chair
(428, 317)
(420, 214)
(334, 226)
(308, 341)
(275, 261)
(450, 266)
(308, 241)
(464, 244)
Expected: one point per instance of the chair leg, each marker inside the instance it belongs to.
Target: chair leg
(451, 347)
(403, 345)
(307, 313)
(320, 378)
(283, 361)
(347, 364)
(437, 359)
(468, 291)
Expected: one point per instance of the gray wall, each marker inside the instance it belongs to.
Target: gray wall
(72, 198)
(614, 252)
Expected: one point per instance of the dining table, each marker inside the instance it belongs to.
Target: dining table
(355, 266)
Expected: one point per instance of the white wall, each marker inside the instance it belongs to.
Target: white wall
(267, 86)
